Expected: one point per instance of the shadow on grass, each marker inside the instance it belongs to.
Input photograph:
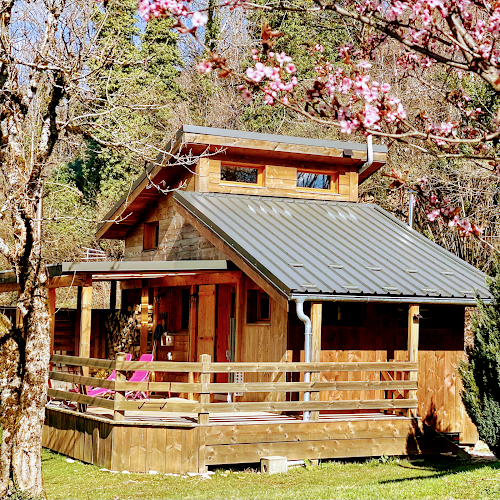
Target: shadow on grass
(442, 467)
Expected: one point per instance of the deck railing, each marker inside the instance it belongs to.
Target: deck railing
(400, 391)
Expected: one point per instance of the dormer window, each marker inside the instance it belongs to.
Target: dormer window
(307, 179)
(241, 174)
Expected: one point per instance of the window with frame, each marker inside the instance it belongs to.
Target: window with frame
(316, 180)
(241, 174)
(151, 235)
(258, 307)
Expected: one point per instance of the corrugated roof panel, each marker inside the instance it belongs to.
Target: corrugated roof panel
(339, 248)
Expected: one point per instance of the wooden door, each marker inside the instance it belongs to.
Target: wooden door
(206, 320)
(223, 331)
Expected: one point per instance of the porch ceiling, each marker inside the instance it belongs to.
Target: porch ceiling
(332, 250)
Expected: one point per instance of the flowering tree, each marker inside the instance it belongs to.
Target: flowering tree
(454, 40)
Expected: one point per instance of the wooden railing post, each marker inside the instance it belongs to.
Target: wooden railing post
(413, 331)
(316, 321)
(205, 394)
(119, 415)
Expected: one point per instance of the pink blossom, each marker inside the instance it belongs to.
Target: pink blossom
(282, 58)
(199, 19)
(385, 87)
(479, 31)
(371, 116)
(370, 95)
(269, 100)
(360, 82)
(364, 65)
(426, 17)
(347, 127)
(433, 199)
(290, 68)
(247, 96)
(204, 66)
(318, 47)
(446, 128)
(431, 216)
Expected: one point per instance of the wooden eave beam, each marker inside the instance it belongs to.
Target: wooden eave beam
(206, 278)
(79, 279)
(233, 256)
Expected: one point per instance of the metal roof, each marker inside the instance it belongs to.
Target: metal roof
(283, 139)
(335, 250)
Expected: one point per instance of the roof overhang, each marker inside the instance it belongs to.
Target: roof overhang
(190, 142)
(69, 274)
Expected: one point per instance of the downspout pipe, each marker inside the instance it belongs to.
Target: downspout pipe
(369, 155)
(307, 348)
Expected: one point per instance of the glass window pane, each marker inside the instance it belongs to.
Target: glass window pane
(314, 181)
(239, 174)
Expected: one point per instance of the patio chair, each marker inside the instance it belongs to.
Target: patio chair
(140, 376)
(101, 391)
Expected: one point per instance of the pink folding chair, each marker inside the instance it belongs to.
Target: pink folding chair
(101, 391)
(140, 376)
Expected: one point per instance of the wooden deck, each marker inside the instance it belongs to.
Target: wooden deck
(178, 435)
(176, 443)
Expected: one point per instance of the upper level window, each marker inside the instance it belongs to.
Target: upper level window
(314, 180)
(151, 235)
(238, 173)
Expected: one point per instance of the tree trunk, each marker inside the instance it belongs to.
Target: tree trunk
(23, 401)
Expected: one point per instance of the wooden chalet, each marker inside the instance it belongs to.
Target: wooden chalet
(292, 320)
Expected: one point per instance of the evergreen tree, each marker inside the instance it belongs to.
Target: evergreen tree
(131, 106)
(481, 372)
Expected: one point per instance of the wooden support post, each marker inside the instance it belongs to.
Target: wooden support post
(77, 320)
(316, 321)
(85, 326)
(413, 331)
(112, 296)
(144, 316)
(205, 394)
(52, 318)
(119, 415)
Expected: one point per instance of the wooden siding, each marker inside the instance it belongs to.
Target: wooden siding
(381, 335)
(262, 342)
(135, 448)
(278, 180)
(169, 448)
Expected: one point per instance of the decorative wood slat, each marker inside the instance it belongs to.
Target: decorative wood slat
(218, 388)
(183, 367)
(190, 407)
(167, 366)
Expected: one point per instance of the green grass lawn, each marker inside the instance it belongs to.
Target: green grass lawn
(417, 479)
